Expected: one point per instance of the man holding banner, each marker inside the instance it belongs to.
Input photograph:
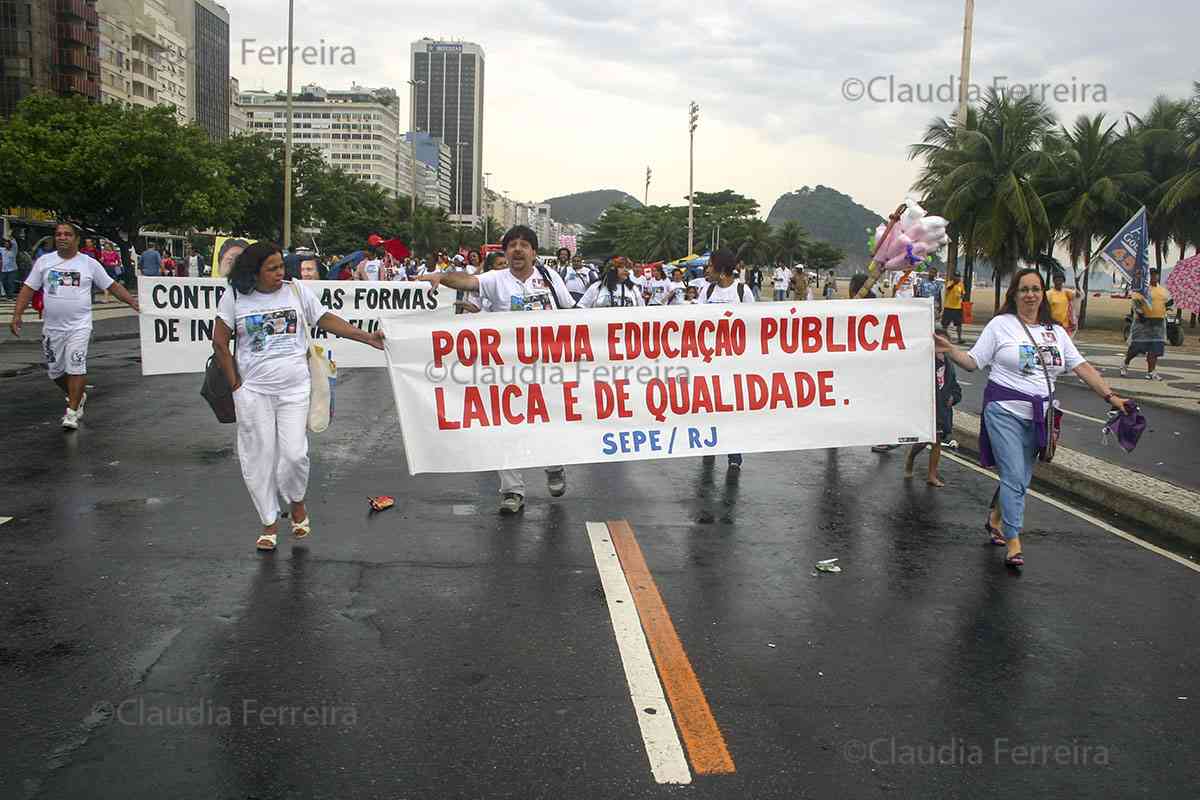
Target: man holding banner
(525, 286)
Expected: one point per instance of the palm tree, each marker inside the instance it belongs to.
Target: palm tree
(1160, 134)
(755, 244)
(991, 173)
(1181, 192)
(656, 233)
(941, 148)
(1094, 179)
(791, 240)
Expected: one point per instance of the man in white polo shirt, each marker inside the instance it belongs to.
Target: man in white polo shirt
(66, 278)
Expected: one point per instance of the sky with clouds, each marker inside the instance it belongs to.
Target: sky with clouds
(585, 94)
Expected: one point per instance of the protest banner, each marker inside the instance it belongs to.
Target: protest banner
(178, 315)
(504, 391)
(1129, 252)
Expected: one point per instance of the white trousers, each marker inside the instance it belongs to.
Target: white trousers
(272, 441)
(511, 480)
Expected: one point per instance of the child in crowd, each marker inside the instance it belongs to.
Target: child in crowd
(947, 395)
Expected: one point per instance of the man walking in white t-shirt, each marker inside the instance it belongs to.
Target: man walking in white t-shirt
(524, 286)
(66, 278)
(782, 278)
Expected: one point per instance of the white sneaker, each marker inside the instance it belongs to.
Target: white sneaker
(82, 403)
(70, 420)
(1154, 376)
(1124, 372)
(512, 503)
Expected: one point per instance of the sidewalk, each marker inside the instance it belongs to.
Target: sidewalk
(111, 322)
(1157, 504)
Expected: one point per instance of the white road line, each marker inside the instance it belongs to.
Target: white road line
(5, 519)
(1099, 523)
(1084, 416)
(663, 748)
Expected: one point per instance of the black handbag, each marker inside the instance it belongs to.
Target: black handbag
(216, 389)
(1053, 421)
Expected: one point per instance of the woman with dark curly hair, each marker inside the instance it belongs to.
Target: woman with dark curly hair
(270, 380)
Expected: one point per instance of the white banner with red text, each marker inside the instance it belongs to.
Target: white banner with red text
(177, 317)
(504, 391)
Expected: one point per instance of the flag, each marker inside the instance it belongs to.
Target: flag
(1129, 252)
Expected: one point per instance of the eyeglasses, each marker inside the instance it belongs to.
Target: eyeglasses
(1030, 290)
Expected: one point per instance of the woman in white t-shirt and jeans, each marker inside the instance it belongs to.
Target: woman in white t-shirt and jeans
(271, 387)
(1014, 430)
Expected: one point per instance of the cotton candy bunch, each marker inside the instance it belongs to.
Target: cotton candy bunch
(914, 238)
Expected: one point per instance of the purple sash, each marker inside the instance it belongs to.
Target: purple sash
(993, 392)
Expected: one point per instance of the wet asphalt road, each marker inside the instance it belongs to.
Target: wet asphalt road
(442, 651)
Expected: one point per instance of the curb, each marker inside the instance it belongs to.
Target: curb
(1164, 517)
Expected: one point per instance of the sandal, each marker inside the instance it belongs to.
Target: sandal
(302, 529)
(996, 536)
(1015, 562)
(265, 541)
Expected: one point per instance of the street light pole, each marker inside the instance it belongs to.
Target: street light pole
(693, 119)
(646, 200)
(412, 140)
(487, 212)
(964, 74)
(287, 140)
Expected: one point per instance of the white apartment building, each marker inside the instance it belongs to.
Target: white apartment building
(237, 115)
(116, 44)
(357, 130)
(155, 58)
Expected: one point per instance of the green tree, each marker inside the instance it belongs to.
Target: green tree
(755, 242)
(257, 163)
(1181, 191)
(348, 210)
(991, 172)
(791, 242)
(114, 170)
(821, 256)
(1094, 177)
(656, 233)
(941, 150)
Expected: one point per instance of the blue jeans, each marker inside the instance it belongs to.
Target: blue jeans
(1015, 447)
(9, 280)
(780, 294)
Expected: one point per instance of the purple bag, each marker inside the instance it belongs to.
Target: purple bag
(1127, 427)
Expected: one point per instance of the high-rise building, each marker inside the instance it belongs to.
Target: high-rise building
(237, 115)
(116, 48)
(48, 46)
(156, 67)
(357, 129)
(204, 25)
(449, 105)
(434, 155)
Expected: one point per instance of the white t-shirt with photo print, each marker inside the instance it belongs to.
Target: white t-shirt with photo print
(271, 344)
(503, 291)
(66, 285)
(733, 293)
(1004, 347)
(599, 296)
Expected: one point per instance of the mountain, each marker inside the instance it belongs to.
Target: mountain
(584, 208)
(831, 217)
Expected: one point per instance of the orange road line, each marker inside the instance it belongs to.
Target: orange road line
(697, 726)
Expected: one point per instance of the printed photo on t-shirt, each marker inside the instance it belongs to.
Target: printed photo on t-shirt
(531, 301)
(272, 331)
(65, 278)
(1051, 357)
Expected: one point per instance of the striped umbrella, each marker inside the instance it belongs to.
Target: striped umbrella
(1184, 284)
